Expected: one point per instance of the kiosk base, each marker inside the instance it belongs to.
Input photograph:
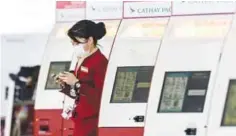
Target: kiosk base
(48, 122)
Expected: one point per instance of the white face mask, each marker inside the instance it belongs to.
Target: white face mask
(79, 50)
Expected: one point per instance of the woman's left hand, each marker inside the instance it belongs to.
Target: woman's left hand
(68, 78)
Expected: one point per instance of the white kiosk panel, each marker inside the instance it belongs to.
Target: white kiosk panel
(133, 56)
(184, 75)
(57, 58)
(222, 117)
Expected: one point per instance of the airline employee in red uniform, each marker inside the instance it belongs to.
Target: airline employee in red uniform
(88, 77)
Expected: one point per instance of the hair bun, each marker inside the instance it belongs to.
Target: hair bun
(100, 30)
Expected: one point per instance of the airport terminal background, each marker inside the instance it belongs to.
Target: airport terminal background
(171, 68)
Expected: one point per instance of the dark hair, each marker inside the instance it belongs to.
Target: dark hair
(86, 29)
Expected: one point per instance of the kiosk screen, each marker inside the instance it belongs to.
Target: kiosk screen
(56, 68)
(229, 116)
(184, 91)
(132, 84)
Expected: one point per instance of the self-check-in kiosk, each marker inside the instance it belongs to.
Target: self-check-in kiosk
(57, 58)
(22, 54)
(185, 73)
(130, 69)
(222, 116)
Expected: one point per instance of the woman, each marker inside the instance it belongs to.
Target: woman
(88, 77)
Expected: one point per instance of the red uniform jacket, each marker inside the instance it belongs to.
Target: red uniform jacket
(91, 74)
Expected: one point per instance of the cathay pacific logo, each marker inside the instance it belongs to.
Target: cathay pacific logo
(93, 8)
(150, 10)
(106, 9)
(131, 10)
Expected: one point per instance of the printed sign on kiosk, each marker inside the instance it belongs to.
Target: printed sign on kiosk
(104, 10)
(144, 9)
(202, 7)
(69, 11)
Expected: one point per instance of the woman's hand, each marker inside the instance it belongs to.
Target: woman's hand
(61, 83)
(68, 78)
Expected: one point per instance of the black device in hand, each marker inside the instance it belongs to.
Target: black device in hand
(56, 77)
(65, 88)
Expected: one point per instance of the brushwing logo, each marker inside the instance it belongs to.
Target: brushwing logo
(93, 8)
(150, 10)
(104, 10)
(131, 10)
